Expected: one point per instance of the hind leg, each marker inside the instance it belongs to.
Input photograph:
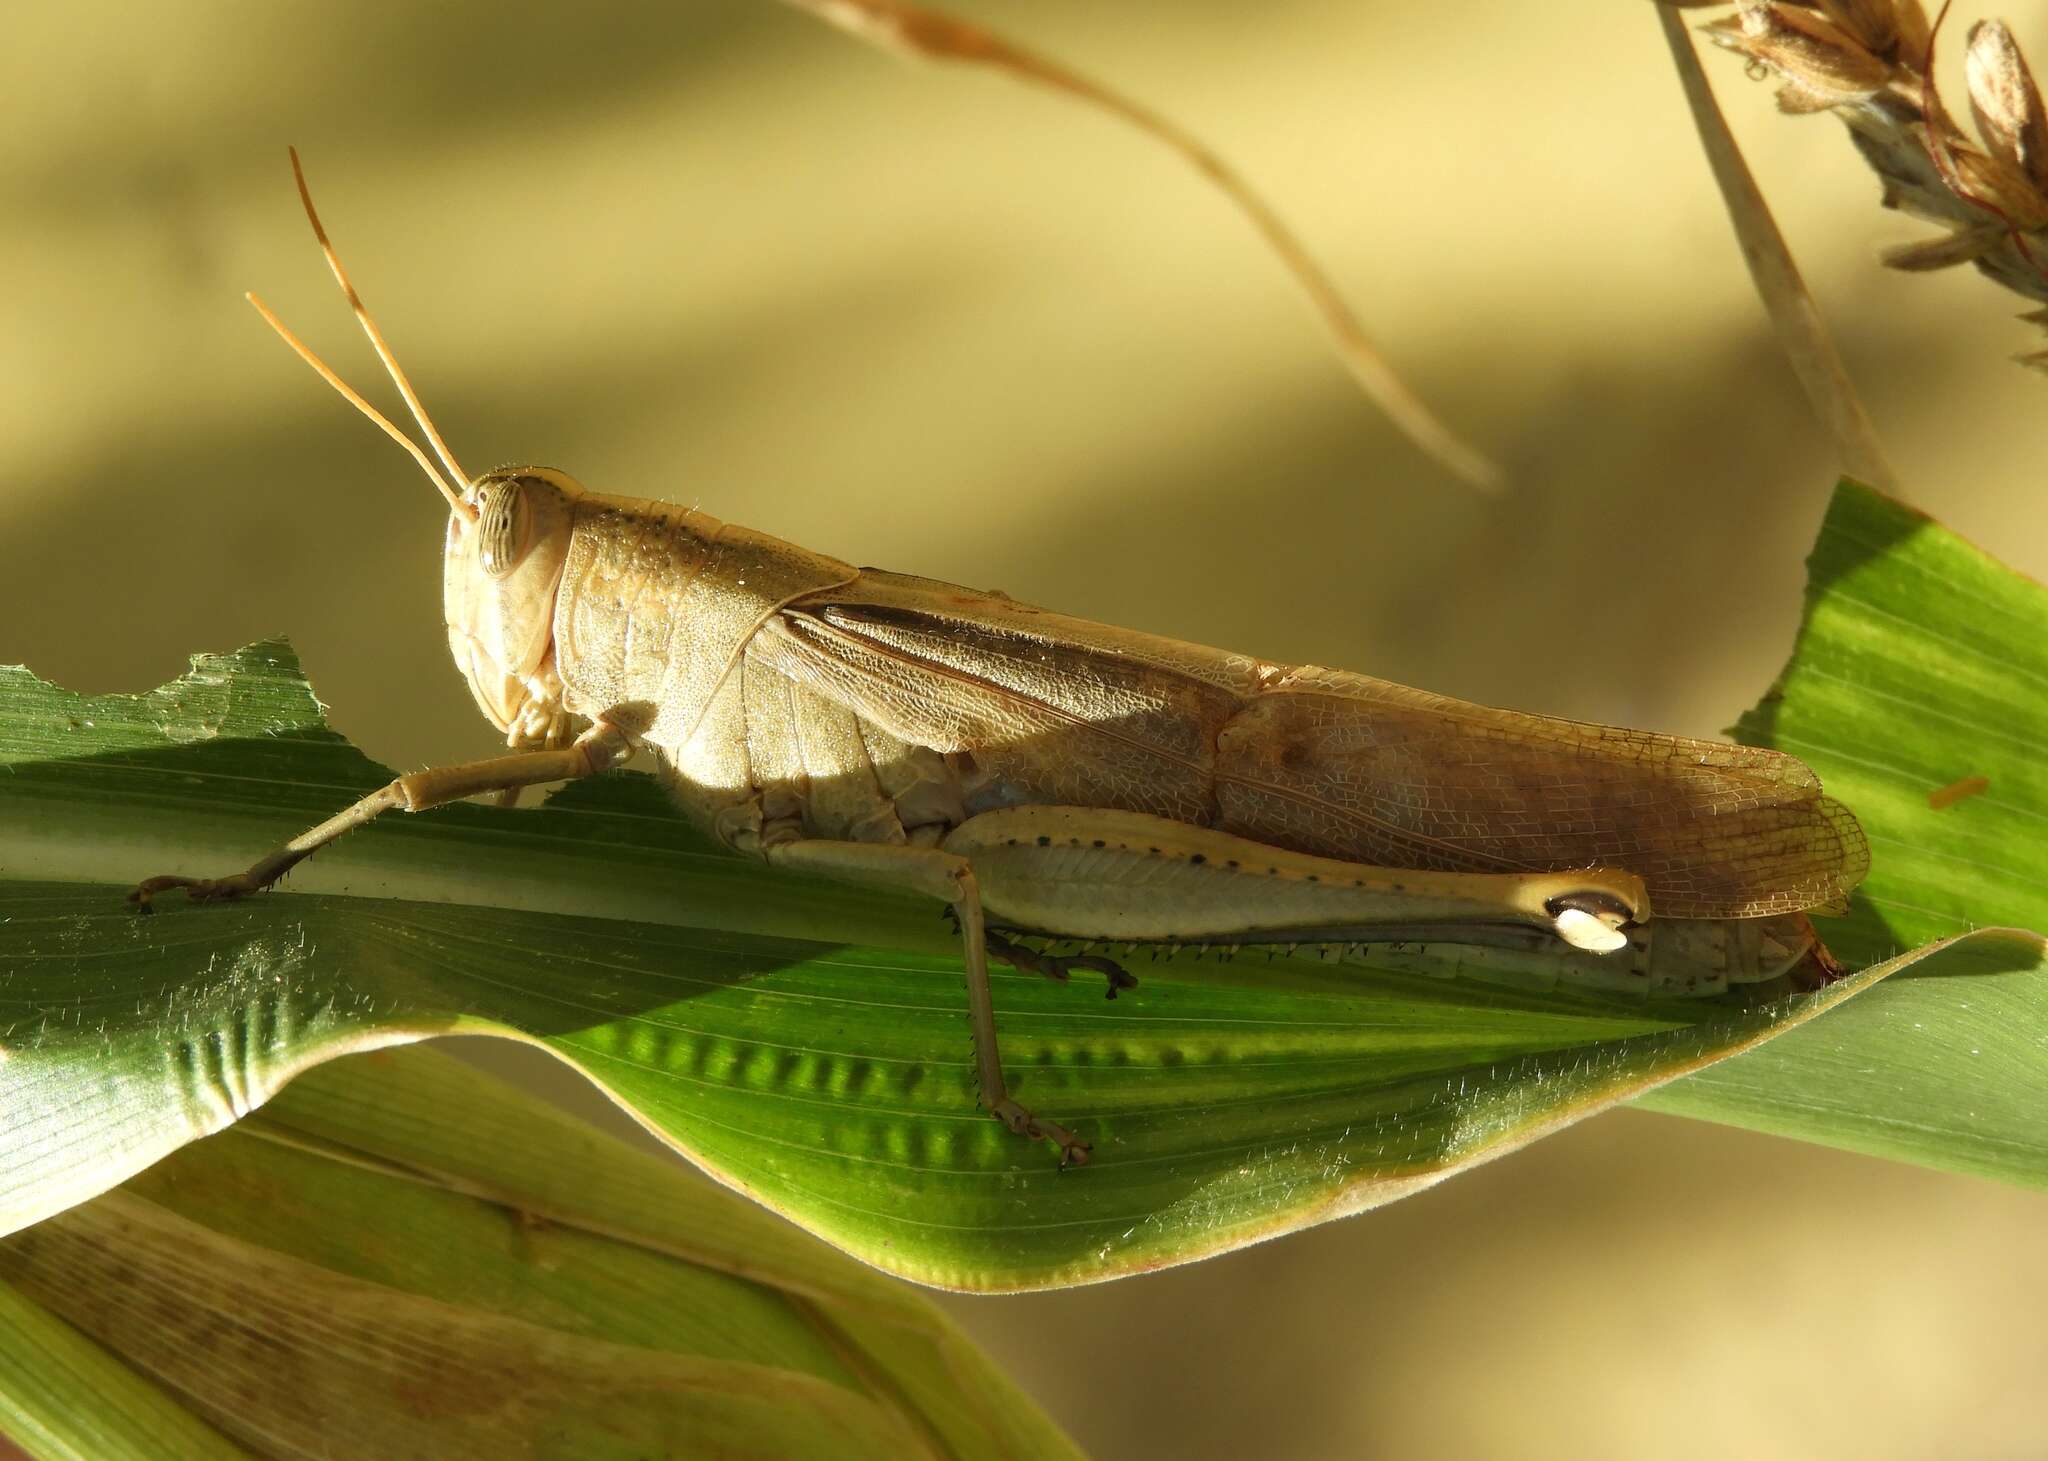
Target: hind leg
(1091, 873)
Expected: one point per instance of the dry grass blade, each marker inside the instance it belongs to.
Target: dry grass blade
(1801, 330)
(1871, 62)
(929, 35)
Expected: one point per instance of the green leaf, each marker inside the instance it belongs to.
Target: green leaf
(1922, 664)
(805, 1042)
(407, 1247)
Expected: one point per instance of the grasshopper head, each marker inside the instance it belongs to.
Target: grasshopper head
(501, 569)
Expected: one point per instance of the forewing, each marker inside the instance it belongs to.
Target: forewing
(1040, 708)
(1353, 767)
(1030, 707)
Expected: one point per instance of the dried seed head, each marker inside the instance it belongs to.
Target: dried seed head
(1821, 63)
(1873, 24)
(1797, 99)
(2005, 101)
(1870, 62)
(1944, 250)
(1915, 34)
(1993, 182)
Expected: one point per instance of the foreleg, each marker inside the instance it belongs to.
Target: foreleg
(601, 746)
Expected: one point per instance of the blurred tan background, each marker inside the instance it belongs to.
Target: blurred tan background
(929, 319)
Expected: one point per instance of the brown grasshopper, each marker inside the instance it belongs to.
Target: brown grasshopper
(1044, 775)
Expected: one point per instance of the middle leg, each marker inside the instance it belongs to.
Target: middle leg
(949, 877)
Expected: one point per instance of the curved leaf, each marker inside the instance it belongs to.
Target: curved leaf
(1919, 692)
(410, 1254)
(807, 1041)
(804, 1041)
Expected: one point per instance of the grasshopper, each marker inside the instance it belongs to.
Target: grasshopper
(1043, 775)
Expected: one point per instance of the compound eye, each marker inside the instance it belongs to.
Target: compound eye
(501, 527)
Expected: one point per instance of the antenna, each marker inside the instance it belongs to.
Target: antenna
(326, 373)
(355, 303)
